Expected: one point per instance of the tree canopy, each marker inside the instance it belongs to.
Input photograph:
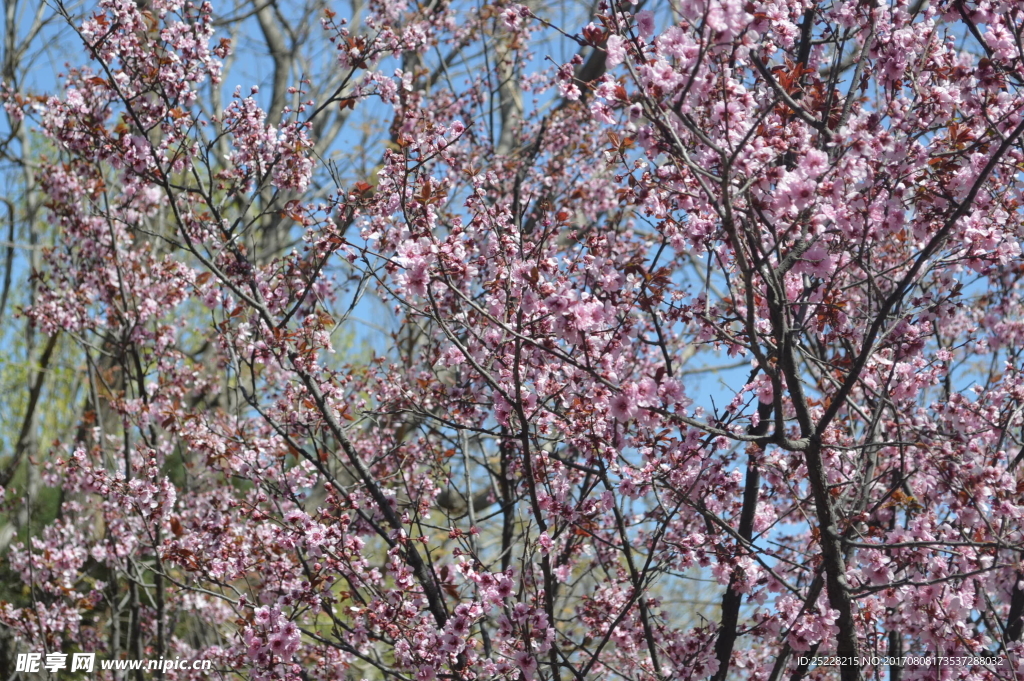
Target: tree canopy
(509, 341)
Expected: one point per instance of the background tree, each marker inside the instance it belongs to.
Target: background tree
(569, 223)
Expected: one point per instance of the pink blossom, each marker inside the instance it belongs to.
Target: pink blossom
(624, 406)
(527, 665)
(616, 48)
(645, 23)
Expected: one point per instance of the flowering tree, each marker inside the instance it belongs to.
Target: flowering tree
(523, 484)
